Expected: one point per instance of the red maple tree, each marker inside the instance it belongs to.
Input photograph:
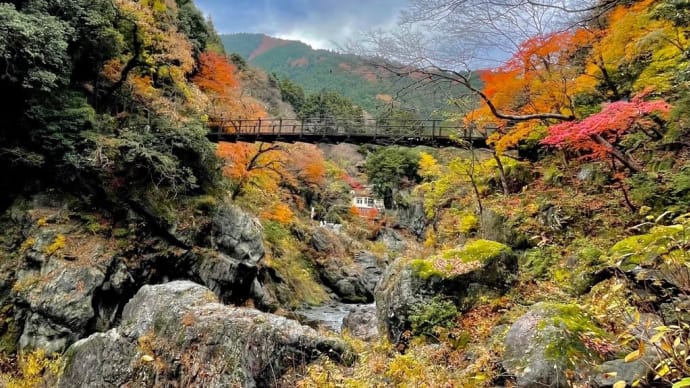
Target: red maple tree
(595, 137)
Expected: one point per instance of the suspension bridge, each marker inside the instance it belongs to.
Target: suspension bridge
(432, 133)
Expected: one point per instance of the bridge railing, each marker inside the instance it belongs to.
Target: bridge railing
(343, 127)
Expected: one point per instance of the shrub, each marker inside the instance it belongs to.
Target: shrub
(468, 223)
(425, 318)
(34, 369)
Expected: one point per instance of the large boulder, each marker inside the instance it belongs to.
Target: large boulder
(354, 282)
(177, 334)
(361, 323)
(227, 263)
(371, 271)
(231, 279)
(546, 346)
(57, 304)
(60, 268)
(479, 269)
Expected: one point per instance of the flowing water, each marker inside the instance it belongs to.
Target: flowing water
(329, 315)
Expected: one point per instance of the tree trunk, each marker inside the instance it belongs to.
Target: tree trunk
(470, 176)
(616, 153)
(480, 207)
(501, 173)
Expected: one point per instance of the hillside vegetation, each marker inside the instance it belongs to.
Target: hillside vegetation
(135, 252)
(374, 89)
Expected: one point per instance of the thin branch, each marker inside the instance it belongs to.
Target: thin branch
(455, 76)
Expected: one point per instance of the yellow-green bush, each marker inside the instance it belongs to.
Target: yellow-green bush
(468, 223)
(34, 369)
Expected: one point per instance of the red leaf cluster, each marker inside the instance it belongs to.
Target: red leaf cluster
(352, 182)
(614, 120)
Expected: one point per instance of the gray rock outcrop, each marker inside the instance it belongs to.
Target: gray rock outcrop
(236, 234)
(412, 218)
(177, 334)
(56, 278)
(72, 271)
(352, 279)
(546, 343)
(58, 307)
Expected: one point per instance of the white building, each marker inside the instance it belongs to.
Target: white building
(367, 203)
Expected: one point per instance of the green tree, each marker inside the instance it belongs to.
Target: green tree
(33, 50)
(292, 93)
(389, 167)
(330, 105)
(193, 25)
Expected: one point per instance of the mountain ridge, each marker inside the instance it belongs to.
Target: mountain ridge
(316, 70)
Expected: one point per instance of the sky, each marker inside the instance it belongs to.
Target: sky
(324, 24)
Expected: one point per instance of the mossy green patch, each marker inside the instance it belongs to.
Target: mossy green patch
(425, 268)
(645, 248)
(537, 262)
(578, 327)
(426, 317)
(477, 250)
(455, 262)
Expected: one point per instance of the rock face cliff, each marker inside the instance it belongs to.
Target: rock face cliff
(177, 333)
(70, 270)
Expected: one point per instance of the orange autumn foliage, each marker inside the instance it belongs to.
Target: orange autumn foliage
(216, 77)
(259, 165)
(267, 166)
(273, 177)
(539, 78)
(306, 164)
(216, 74)
(280, 213)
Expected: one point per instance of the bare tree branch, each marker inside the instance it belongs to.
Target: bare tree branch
(456, 76)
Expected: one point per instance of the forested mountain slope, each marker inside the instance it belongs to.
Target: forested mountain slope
(374, 89)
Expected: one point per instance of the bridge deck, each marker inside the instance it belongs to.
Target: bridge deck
(431, 133)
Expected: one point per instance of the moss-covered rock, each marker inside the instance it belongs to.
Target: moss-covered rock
(548, 346)
(480, 269)
(455, 262)
(496, 227)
